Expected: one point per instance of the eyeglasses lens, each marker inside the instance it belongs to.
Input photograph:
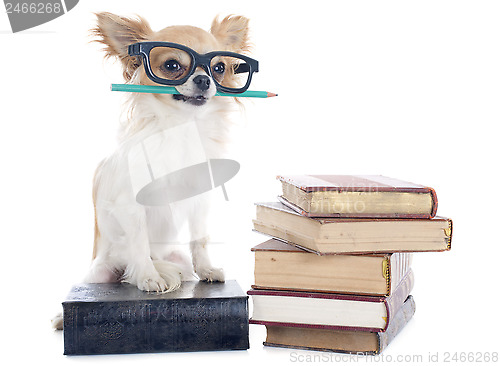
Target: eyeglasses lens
(170, 63)
(230, 72)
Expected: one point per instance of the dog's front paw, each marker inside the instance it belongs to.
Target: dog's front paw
(152, 284)
(157, 283)
(210, 274)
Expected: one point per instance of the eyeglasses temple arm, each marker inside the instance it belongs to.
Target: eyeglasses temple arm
(134, 49)
(241, 68)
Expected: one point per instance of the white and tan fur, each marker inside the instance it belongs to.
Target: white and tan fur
(124, 229)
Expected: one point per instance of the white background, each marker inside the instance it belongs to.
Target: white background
(407, 89)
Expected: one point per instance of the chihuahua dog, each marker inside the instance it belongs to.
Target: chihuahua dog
(125, 231)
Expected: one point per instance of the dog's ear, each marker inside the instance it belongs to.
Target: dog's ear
(117, 33)
(232, 32)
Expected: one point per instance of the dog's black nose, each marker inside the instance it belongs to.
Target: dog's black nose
(202, 82)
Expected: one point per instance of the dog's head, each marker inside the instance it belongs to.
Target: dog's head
(117, 33)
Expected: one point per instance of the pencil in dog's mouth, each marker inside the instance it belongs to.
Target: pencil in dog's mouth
(197, 100)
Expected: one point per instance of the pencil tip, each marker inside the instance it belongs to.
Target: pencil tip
(272, 95)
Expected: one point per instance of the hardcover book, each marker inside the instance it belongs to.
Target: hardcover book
(353, 235)
(282, 266)
(329, 311)
(119, 318)
(346, 341)
(357, 196)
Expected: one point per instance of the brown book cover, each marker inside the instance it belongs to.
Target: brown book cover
(353, 235)
(337, 310)
(282, 266)
(357, 196)
(343, 341)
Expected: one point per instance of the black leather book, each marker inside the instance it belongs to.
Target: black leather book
(119, 318)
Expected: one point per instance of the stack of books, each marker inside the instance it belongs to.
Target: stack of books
(336, 275)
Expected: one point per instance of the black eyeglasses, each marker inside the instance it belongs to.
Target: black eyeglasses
(172, 64)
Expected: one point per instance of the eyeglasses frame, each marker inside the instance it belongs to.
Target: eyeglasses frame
(143, 49)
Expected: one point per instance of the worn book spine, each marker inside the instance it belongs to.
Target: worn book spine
(170, 325)
(394, 302)
(398, 322)
(396, 268)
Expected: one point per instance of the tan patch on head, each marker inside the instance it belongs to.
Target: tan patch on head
(195, 38)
